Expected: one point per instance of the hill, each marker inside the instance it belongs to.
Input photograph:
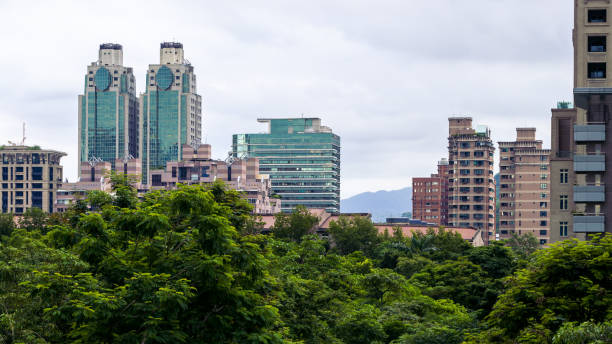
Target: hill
(381, 204)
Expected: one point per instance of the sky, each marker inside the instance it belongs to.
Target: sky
(384, 75)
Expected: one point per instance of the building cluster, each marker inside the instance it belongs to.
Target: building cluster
(157, 137)
(554, 194)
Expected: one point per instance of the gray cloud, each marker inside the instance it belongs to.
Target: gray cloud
(384, 75)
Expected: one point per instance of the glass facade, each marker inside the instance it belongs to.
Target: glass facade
(108, 111)
(302, 159)
(170, 111)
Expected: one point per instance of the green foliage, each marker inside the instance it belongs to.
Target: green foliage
(585, 333)
(523, 245)
(34, 219)
(98, 199)
(568, 282)
(354, 234)
(295, 225)
(188, 266)
(7, 225)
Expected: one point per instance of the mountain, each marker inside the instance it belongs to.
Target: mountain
(381, 204)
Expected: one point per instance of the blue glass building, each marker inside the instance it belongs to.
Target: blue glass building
(302, 158)
(171, 110)
(108, 109)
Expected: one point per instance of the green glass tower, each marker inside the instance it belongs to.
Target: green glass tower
(171, 110)
(108, 109)
(302, 158)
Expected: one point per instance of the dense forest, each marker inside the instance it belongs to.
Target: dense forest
(189, 266)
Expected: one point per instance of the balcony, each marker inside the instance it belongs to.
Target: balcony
(589, 223)
(589, 133)
(589, 193)
(595, 162)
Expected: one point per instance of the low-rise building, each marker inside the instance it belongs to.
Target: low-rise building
(197, 167)
(30, 178)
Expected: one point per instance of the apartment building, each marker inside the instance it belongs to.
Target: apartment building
(580, 165)
(471, 188)
(430, 196)
(524, 187)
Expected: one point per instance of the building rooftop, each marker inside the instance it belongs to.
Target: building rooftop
(171, 45)
(113, 46)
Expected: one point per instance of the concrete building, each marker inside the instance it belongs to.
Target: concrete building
(430, 196)
(580, 170)
(171, 110)
(197, 167)
(30, 178)
(108, 109)
(524, 187)
(471, 190)
(302, 158)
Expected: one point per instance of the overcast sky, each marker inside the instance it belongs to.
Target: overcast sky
(384, 75)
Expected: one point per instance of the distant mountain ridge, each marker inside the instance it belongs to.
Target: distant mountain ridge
(381, 204)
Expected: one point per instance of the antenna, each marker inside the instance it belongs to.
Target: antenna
(23, 137)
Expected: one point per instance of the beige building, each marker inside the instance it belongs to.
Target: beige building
(579, 143)
(94, 176)
(197, 167)
(30, 178)
(471, 187)
(524, 187)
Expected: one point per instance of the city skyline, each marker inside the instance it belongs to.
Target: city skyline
(367, 73)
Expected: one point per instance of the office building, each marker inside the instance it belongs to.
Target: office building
(30, 178)
(580, 169)
(430, 196)
(171, 110)
(108, 109)
(524, 187)
(302, 158)
(471, 190)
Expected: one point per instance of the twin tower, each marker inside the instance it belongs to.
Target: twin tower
(115, 124)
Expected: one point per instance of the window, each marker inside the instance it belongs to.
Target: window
(543, 176)
(37, 173)
(597, 44)
(543, 223)
(543, 204)
(596, 70)
(543, 167)
(543, 195)
(597, 16)
(563, 175)
(563, 202)
(563, 228)
(543, 214)
(543, 232)
(543, 186)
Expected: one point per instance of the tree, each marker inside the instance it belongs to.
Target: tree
(34, 219)
(98, 199)
(523, 245)
(295, 225)
(122, 185)
(496, 260)
(354, 234)
(7, 224)
(567, 282)
(584, 333)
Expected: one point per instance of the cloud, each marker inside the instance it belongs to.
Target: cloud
(384, 75)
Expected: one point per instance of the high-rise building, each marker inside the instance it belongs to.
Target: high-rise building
(108, 109)
(581, 172)
(30, 178)
(471, 190)
(302, 158)
(171, 110)
(524, 187)
(430, 196)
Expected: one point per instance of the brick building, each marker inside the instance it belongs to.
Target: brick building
(430, 196)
